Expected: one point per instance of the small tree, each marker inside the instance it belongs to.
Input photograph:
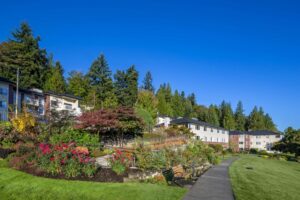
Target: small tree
(111, 124)
(290, 143)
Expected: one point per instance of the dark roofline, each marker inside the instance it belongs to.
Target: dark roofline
(193, 121)
(28, 91)
(62, 95)
(2, 79)
(257, 132)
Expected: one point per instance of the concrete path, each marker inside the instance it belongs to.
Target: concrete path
(213, 185)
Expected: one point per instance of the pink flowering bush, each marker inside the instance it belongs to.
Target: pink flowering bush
(66, 159)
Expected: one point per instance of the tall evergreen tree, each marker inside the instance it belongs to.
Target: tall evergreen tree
(23, 51)
(212, 115)
(78, 84)
(126, 86)
(256, 119)
(55, 81)
(192, 98)
(147, 82)
(164, 105)
(269, 124)
(227, 117)
(100, 79)
(240, 118)
(132, 77)
(177, 105)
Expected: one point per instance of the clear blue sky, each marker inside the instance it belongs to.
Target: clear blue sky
(232, 50)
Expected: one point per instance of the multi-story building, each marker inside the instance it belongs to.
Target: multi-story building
(60, 102)
(204, 131)
(35, 100)
(246, 140)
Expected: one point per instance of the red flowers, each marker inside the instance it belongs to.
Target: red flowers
(121, 157)
(45, 148)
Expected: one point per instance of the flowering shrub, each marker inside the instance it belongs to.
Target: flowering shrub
(65, 158)
(120, 161)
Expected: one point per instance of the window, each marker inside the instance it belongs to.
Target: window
(211, 139)
(258, 143)
(267, 136)
(197, 137)
(257, 136)
(223, 131)
(212, 130)
(205, 128)
(68, 106)
(218, 131)
(2, 104)
(197, 127)
(241, 142)
(54, 103)
(217, 139)
(3, 91)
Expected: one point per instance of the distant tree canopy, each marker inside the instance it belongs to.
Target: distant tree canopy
(100, 88)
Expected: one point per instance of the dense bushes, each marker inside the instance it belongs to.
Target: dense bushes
(195, 154)
(81, 138)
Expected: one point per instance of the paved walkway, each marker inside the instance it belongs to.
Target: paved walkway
(213, 185)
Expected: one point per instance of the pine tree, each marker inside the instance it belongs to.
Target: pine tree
(126, 86)
(269, 124)
(120, 85)
(147, 82)
(177, 105)
(78, 84)
(23, 51)
(192, 99)
(227, 117)
(100, 79)
(164, 105)
(240, 118)
(55, 81)
(212, 115)
(256, 119)
(132, 77)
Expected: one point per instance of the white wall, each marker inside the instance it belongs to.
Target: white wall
(164, 120)
(210, 134)
(71, 105)
(263, 142)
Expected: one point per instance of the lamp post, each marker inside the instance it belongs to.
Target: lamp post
(17, 92)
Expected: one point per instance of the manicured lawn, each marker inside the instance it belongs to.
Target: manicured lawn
(269, 179)
(18, 185)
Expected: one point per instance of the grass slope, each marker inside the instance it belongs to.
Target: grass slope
(18, 185)
(269, 179)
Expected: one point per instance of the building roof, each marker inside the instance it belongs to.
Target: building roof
(63, 95)
(2, 79)
(258, 132)
(38, 91)
(193, 121)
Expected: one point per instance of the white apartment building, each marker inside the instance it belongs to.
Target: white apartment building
(204, 131)
(62, 102)
(260, 140)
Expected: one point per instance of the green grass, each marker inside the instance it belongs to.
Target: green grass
(269, 180)
(18, 185)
